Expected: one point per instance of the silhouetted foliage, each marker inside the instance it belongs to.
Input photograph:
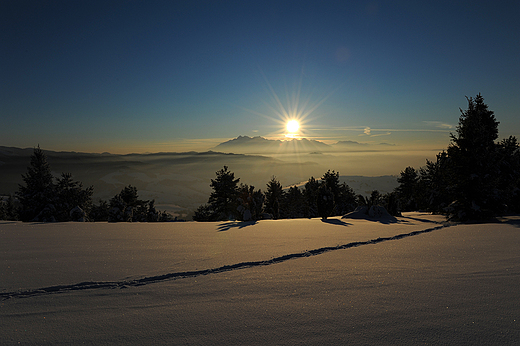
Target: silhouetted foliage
(8, 209)
(43, 200)
(375, 198)
(310, 195)
(71, 196)
(127, 207)
(391, 204)
(473, 164)
(346, 200)
(407, 189)
(475, 178)
(203, 213)
(293, 204)
(250, 203)
(274, 198)
(343, 195)
(37, 197)
(508, 164)
(152, 215)
(100, 211)
(325, 201)
(223, 199)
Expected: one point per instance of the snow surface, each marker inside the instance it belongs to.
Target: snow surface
(416, 280)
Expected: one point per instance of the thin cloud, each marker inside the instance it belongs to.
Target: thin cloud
(365, 129)
(381, 134)
(439, 124)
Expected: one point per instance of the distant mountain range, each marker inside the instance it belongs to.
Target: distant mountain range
(257, 145)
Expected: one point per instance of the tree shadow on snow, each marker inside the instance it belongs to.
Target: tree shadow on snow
(336, 222)
(513, 220)
(234, 224)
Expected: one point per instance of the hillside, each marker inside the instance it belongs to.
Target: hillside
(415, 280)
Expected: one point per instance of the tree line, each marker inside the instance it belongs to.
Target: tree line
(475, 178)
(323, 198)
(42, 198)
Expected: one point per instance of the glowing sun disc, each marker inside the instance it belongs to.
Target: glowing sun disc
(292, 126)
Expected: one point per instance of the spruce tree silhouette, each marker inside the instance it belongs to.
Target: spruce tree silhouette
(37, 197)
(473, 169)
(274, 196)
(223, 199)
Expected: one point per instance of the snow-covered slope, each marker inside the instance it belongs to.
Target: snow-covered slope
(416, 280)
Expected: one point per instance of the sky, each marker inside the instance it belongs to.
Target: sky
(150, 76)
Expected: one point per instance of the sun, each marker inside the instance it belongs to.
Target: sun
(292, 126)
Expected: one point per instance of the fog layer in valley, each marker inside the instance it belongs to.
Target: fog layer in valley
(180, 182)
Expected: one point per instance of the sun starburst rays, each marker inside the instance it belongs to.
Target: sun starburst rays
(297, 105)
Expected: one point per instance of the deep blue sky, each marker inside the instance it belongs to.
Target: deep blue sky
(136, 76)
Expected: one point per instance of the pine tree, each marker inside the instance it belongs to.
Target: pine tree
(310, 194)
(473, 166)
(331, 180)
(325, 201)
(100, 211)
(250, 203)
(70, 195)
(346, 200)
(508, 164)
(127, 207)
(37, 197)
(435, 184)
(153, 214)
(203, 213)
(223, 199)
(293, 203)
(274, 198)
(407, 189)
(3, 209)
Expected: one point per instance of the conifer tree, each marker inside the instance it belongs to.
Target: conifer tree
(203, 213)
(325, 201)
(127, 207)
(473, 166)
(331, 180)
(3, 210)
(310, 194)
(37, 197)
(293, 203)
(407, 189)
(223, 199)
(250, 203)
(274, 198)
(70, 194)
(100, 211)
(8, 209)
(346, 200)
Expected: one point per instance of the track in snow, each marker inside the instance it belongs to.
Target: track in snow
(88, 285)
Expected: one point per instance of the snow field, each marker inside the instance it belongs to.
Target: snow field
(454, 285)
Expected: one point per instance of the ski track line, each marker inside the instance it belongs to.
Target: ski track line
(88, 285)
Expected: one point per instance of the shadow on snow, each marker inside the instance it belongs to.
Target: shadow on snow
(336, 222)
(235, 224)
